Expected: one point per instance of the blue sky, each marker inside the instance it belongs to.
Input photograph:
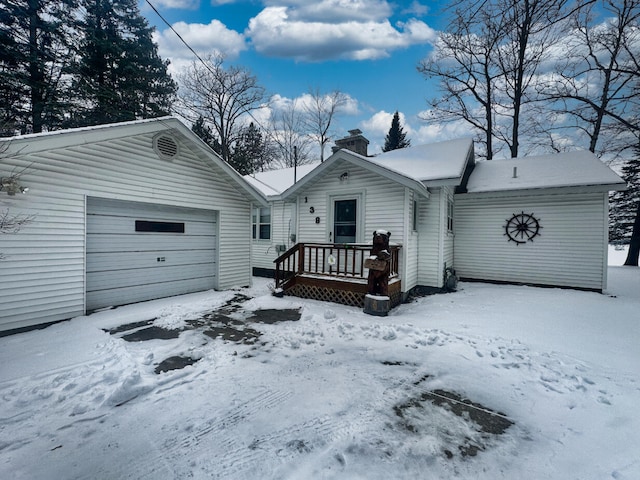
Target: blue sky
(368, 49)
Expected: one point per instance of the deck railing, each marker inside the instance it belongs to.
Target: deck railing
(332, 260)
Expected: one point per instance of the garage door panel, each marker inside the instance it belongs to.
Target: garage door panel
(125, 295)
(122, 209)
(127, 226)
(132, 243)
(121, 260)
(125, 266)
(132, 277)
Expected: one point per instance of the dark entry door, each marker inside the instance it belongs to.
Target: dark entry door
(344, 221)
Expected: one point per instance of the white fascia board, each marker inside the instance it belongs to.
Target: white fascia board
(546, 191)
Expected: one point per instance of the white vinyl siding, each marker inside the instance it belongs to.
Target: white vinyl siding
(430, 245)
(263, 252)
(448, 231)
(570, 250)
(382, 205)
(43, 275)
(410, 250)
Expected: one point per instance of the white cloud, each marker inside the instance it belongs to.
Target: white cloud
(177, 4)
(287, 31)
(212, 38)
(416, 8)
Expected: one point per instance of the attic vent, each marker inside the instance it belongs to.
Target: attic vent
(165, 146)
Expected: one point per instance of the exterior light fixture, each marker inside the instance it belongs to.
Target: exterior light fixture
(344, 177)
(11, 186)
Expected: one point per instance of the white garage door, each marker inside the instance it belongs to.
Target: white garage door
(138, 251)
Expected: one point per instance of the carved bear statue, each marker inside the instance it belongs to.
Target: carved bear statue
(379, 264)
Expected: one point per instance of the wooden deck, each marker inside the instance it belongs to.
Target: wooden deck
(332, 272)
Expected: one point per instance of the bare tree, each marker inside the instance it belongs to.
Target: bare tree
(597, 82)
(463, 62)
(10, 184)
(221, 96)
(488, 63)
(287, 131)
(319, 113)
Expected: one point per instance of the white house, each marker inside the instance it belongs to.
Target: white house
(343, 200)
(119, 214)
(544, 223)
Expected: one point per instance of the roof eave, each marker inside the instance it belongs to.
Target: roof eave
(590, 188)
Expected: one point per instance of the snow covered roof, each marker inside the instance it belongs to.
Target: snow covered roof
(442, 163)
(431, 163)
(274, 182)
(570, 169)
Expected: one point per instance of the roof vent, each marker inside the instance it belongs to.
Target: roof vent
(165, 146)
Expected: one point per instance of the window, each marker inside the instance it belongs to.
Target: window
(414, 226)
(261, 224)
(159, 227)
(450, 214)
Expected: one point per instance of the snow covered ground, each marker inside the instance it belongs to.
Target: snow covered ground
(336, 394)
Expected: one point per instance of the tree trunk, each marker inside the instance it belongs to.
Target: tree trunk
(634, 244)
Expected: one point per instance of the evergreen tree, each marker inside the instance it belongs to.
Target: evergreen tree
(251, 152)
(35, 36)
(624, 221)
(396, 138)
(206, 135)
(624, 203)
(119, 75)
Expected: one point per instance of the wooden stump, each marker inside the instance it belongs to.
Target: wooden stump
(377, 305)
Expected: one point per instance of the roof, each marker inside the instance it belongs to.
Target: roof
(274, 182)
(432, 163)
(570, 169)
(442, 163)
(38, 142)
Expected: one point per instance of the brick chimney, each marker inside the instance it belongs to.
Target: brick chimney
(354, 142)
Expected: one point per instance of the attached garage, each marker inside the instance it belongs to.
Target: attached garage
(118, 214)
(138, 251)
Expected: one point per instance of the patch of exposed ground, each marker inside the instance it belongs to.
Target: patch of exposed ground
(229, 323)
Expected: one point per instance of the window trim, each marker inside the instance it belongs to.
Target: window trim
(257, 224)
(449, 214)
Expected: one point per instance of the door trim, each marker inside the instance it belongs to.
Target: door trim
(331, 199)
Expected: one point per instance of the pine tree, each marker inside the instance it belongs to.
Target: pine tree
(34, 51)
(206, 134)
(119, 75)
(624, 222)
(624, 203)
(251, 152)
(396, 138)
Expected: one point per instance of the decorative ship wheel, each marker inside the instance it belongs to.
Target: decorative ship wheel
(522, 228)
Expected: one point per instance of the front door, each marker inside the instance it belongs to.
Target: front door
(345, 221)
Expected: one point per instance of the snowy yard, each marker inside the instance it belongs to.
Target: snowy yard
(490, 382)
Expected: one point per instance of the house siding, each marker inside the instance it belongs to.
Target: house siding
(263, 252)
(411, 257)
(570, 250)
(43, 274)
(430, 244)
(447, 236)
